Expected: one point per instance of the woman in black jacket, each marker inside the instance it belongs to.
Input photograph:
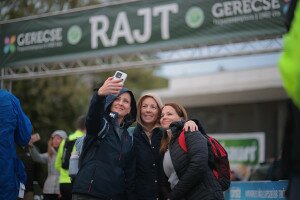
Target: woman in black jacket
(185, 175)
(107, 167)
(147, 138)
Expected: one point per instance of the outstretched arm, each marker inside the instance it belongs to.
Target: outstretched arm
(37, 156)
(95, 120)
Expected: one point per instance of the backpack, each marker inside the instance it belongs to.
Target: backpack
(68, 147)
(218, 159)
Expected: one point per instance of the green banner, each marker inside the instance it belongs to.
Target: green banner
(138, 26)
(243, 148)
(244, 151)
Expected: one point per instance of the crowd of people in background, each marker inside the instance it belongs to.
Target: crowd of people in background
(63, 156)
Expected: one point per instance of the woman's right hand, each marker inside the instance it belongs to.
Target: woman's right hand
(190, 126)
(34, 138)
(110, 86)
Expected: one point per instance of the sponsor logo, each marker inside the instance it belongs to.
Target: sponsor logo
(74, 34)
(9, 44)
(37, 40)
(194, 17)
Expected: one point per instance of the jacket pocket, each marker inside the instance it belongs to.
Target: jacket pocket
(201, 192)
(84, 180)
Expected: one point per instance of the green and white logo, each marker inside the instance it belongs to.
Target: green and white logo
(194, 17)
(74, 34)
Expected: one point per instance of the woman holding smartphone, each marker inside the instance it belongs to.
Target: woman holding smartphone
(107, 164)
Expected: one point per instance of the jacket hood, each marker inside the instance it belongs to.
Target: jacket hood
(177, 127)
(60, 133)
(131, 117)
(139, 107)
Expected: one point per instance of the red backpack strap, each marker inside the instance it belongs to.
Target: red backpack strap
(218, 149)
(181, 141)
(211, 141)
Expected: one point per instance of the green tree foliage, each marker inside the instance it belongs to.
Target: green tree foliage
(55, 103)
(11, 9)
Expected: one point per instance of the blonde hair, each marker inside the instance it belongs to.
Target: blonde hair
(139, 106)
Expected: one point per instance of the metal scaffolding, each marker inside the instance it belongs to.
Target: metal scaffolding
(139, 59)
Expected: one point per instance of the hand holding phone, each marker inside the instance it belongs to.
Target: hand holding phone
(111, 86)
(120, 75)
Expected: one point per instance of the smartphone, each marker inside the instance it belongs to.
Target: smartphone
(120, 75)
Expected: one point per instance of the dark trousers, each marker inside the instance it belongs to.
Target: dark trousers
(84, 197)
(50, 196)
(294, 193)
(66, 191)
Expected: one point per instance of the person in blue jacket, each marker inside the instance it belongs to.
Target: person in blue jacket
(107, 161)
(15, 128)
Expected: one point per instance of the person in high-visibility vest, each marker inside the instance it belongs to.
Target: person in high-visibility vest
(289, 65)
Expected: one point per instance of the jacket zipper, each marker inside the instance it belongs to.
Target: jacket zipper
(92, 180)
(90, 187)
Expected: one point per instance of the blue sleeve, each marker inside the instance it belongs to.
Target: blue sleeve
(24, 128)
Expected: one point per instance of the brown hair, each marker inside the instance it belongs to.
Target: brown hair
(80, 122)
(181, 112)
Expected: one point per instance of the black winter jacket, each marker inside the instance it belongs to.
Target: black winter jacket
(148, 163)
(107, 168)
(291, 147)
(196, 180)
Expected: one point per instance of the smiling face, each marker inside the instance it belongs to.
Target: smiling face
(122, 105)
(168, 115)
(56, 140)
(149, 111)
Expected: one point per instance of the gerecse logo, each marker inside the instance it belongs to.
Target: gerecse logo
(194, 17)
(74, 34)
(9, 44)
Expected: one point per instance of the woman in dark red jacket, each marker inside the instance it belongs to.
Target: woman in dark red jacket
(185, 175)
